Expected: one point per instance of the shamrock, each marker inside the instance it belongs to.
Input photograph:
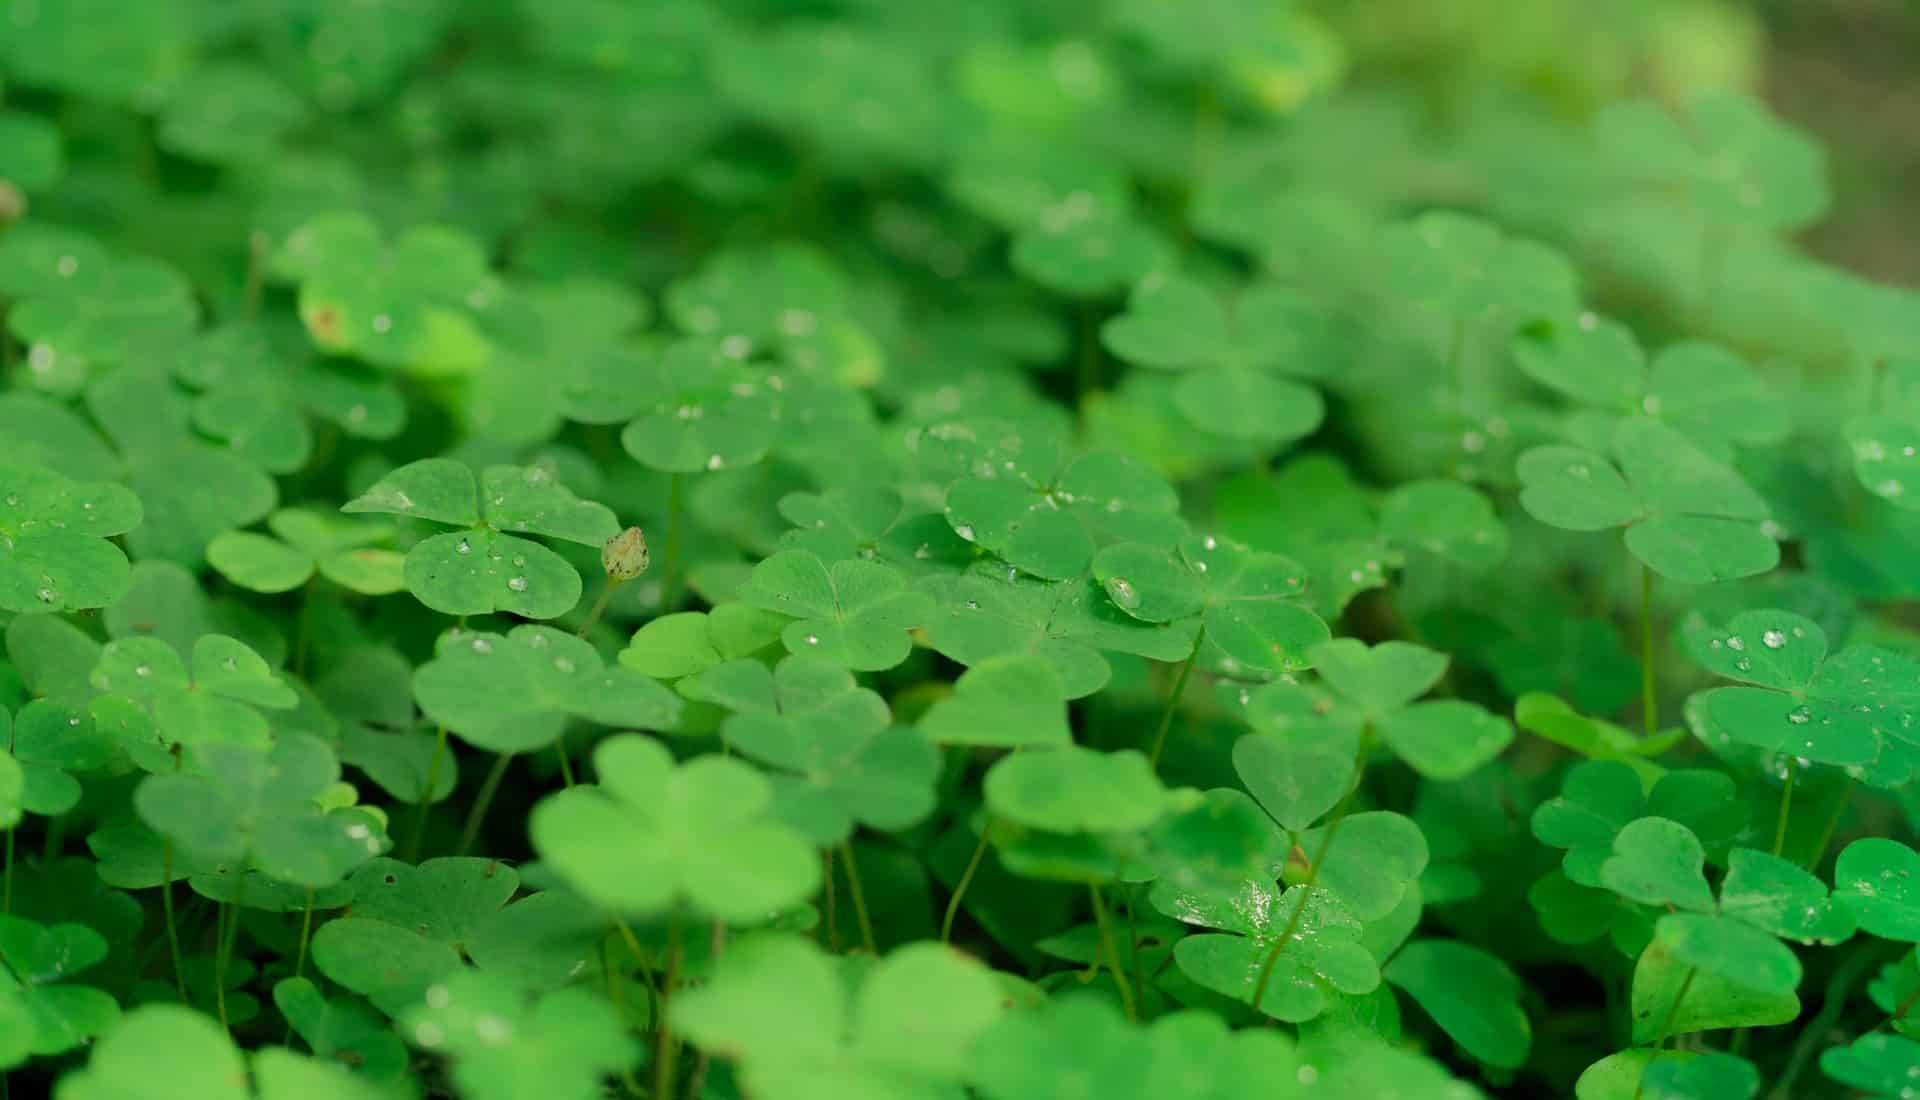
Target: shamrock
(1190, 1053)
(785, 301)
(228, 114)
(1599, 798)
(1673, 995)
(410, 927)
(1082, 247)
(798, 1028)
(1323, 956)
(982, 614)
(1472, 995)
(1703, 391)
(1075, 790)
(1042, 513)
(1245, 600)
(101, 318)
(47, 740)
(1375, 688)
(1886, 440)
(53, 550)
(263, 806)
(307, 542)
(1871, 880)
(655, 836)
(513, 692)
(404, 306)
(189, 489)
(1837, 709)
(840, 759)
(341, 1029)
(483, 569)
(1465, 269)
(54, 1017)
(170, 1052)
(1007, 702)
(689, 642)
(1314, 512)
(856, 614)
(1687, 516)
(1884, 1065)
(212, 699)
(703, 411)
(871, 521)
(1241, 359)
(1726, 157)
(507, 1046)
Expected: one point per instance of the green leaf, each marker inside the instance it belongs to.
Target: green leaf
(1711, 1002)
(506, 1046)
(856, 614)
(1323, 959)
(514, 692)
(1447, 519)
(36, 958)
(652, 836)
(1006, 702)
(53, 550)
(1726, 948)
(1472, 995)
(705, 413)
(1379, 679)
(1296, 784)
(1658, 862)
(1447, 738)
(1380, 856)
(1886, 1065)
(1875, 879)
(341, 1030)
(1073, 790)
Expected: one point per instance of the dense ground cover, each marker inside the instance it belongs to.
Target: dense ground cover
(805, 550)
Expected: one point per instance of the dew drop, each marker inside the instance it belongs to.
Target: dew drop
(464, 547)
(518, 584)
(1736, 643)
(481, 645)
(813, 639)
(382, 323)
(1800, 716)
(563, 664)
(1773, 639)
(923, 553)
(965, 531)
(46, 595)
(1123, 592)
(1210, 543)
(1744, 664)
(142, 670)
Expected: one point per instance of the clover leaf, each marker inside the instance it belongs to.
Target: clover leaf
(786, 302)
(1726, 156)
(1884, 1065)
(410, 927)
(47, 740)
(1472, 995)
(1872, 880)
(839, 758)
(1071, 624)
(212, 699)
(704, 411)
(1075, 790)
(1324, 956)
(1832, 709)
(1006, 702)
(856, 614)
(1600, 798)
(171, 1052)
(1675, 996)
(1687, 516)
(1082, 247)
(305, 542)
(1440, 739)
(255, 392)
(1241, 359)
(1447, 519)
(73, 329)
(405, 305)
(1045, 514)
(53, 550)
(689, 642)
(34, 959)
(1463, 267)
(781, 1008)
(515, 691)
(1702, 390)
(342, 1029)
(654, 836)
(1247, 601)
(1886, 439)
(483, 569)
(264, 806)
(504, 1045)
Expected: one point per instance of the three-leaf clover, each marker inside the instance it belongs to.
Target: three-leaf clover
(410, 927)
(57, 1017)
(483, 568)
(170, 1052)
(704, 411)
(800, 1028)
(653, 836)
(1241, 359)
(515, 691)
(303, 543)
(1727, 156)
(855, 613)
(1688, 517)
(54, 553)
(505, 1045)
(212, 698)
(1006, 702)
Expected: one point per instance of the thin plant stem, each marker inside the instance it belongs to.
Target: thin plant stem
(1649, 700)
(566, 762)
(966, 880)
(663, 1047)
(697, 1080)
(1900, 1011)
(833, 920)
(223, 956)
(617, 996)
(859, 898)
(1666, 1026)
(1313, 871)
(1833, 824)
(633, 943)
(1114, 966)
(166, 909)
(306, 934)
(6, 892)
(1832, 1004)
(1133, 947)
(599, 605)
(56, 838)
(488, 788)
(1173, 700)
(1786, 806)
(670, 568)
(426, 795)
